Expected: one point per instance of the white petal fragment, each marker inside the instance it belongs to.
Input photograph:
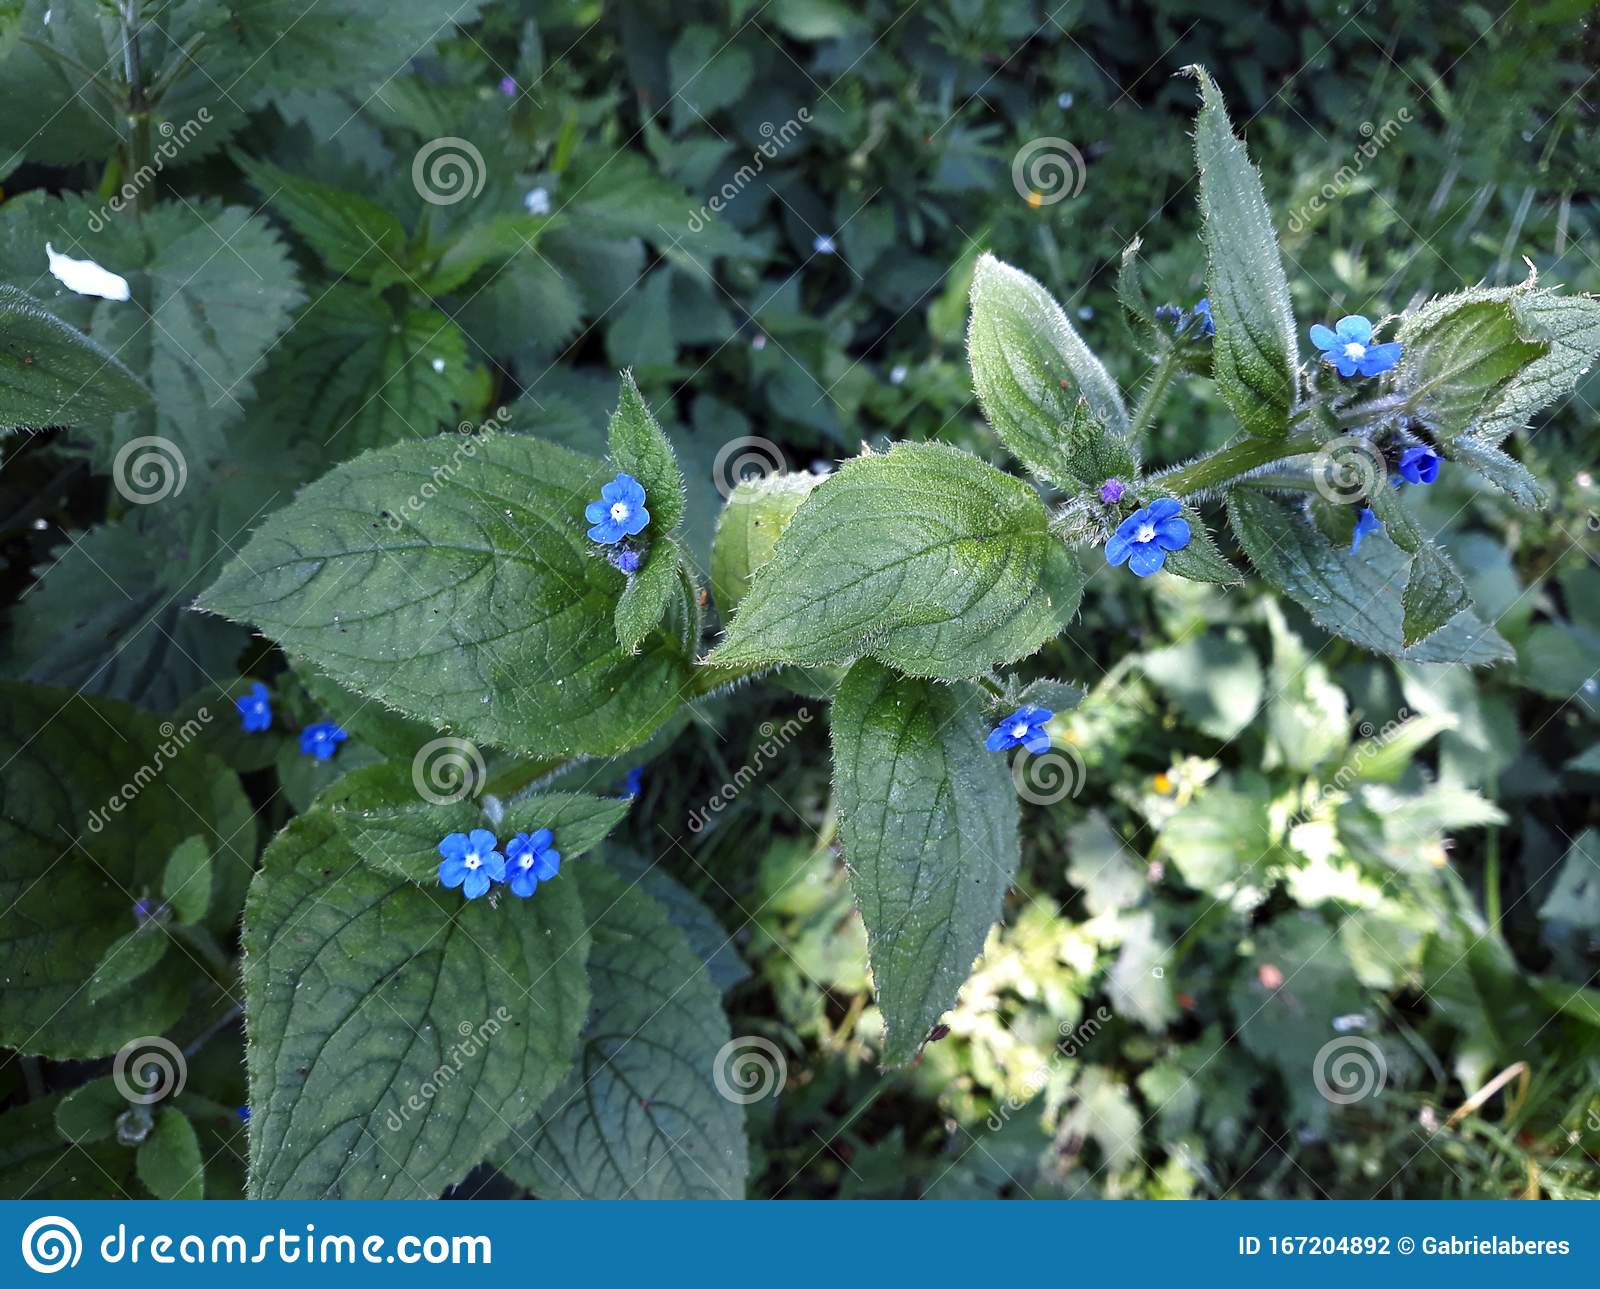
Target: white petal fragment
(85, 276)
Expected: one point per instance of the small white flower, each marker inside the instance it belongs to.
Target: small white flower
(897, 374)
(85, 276)
(758, 342)
(537, 202)
(438, 364)
(823, 245)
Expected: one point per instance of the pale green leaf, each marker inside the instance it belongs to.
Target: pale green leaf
(186, 881)
(756, 513)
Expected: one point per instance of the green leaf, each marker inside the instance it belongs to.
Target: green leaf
(1480, 363)
(90, 1113)
(1132, 294)
(1575, 897)
(396, 1033)
(186, 882)
(474, 553)
(647, 594)
(1434, 594)
(1254, 356)
(126, 962)
(924, 558)
(496, 240)
(53, 374)
(1215, 681)
(929, 824)
(1200, 560)
(688, 913)
(380, 813)
(638, 447)
(641, 1115)
(1222, 839)
(351, 233)
(170, 1164)
(1357, 596)
(756, 513)
(97, 795)
(1024, 356)
(37, 1165)
(1509, 476)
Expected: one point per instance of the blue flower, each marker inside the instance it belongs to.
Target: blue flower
(529, 861)
(822, 244)
(1349, 347)
(1111, 491)
(321, 740)
(1023, 728)
(1202, 315)
(626, 561)
(619, 513)
(1184, 321)
(1143, 539)
(1366, 522)
(471, 862)
(1419, 466)
(244, 1113)
(635, 781)
(255, 709)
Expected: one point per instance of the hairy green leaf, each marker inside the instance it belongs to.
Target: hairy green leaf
(473, 553)
(929, 824)
(925, 558)
(647, 594)
(53, 374)
(397, 1033)
(757, 511)
(1254, 356)
(170, 1164)
(638, 447)
(1434, 594)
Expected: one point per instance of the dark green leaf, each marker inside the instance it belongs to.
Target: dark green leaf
(90, 1113)
(929, 824)
(53, 374)
(646, 595)
(706, 937)
(186, 882)
(638, 447)
(1200, 560)
(1434, 594)
(351, 233)
(37, 1165)
(1509, 476)
(170, 1164)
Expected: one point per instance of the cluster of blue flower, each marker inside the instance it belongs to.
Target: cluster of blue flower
(618, 515)
(1196, 321)
(473, 862)
(320, 740)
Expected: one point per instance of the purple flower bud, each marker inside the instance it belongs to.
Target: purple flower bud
(508, 86)
(1111, 490)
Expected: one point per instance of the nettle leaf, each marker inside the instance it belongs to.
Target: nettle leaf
(1254, 356)
(756, 513)
(638, 447)
(381, 815)
(1025, 358)
(504, 237)
(1354, 595)
(396, 1033)
(1481, 363)
(647, 594)
(169, 1160)
(929, 824)
(53, 374)
(640, 1116)
(95, 797)
(925, 558)
(454, 581)
(350, 233)
(1434, 594)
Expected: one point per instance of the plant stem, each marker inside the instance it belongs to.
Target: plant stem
(138, 108)
(1155, 394)
(1228, 464)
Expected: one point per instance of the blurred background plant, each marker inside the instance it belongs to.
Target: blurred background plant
(1287, 908)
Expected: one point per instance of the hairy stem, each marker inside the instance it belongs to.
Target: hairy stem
(1231, 462)
(1155, 394)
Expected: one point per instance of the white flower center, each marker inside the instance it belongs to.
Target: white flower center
(1146, 533)
(619, 510)
(526, 861)
(472, 860)
(1355, 350)
(1019, 730)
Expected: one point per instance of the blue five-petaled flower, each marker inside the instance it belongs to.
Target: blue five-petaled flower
(1366, 522)
(1418, 466)
(619, 513)
(321, 740)
(471, 862)
(1143, 539)
(1023, 728)
(529, 861)
(1348, 346)
(255, 709)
